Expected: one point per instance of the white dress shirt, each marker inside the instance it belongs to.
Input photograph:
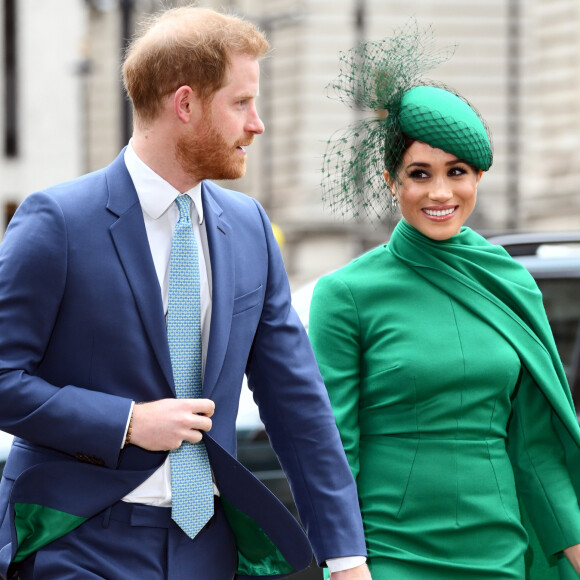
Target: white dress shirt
(157, 199)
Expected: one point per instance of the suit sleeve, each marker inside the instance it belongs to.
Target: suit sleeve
(296, 412)
(542, 478)
(333, 330)
(33, 280)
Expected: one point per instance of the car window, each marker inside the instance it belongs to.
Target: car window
(562, 302)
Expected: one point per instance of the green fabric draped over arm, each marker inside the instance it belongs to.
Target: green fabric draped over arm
(497, 289)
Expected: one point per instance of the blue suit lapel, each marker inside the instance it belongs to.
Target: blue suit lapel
(219, 237)
(130, 239)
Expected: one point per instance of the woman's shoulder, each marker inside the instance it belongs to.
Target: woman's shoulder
(361, 272)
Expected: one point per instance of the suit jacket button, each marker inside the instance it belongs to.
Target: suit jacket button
(92, 459)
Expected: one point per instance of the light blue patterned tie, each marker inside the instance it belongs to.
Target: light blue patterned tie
(191, 482)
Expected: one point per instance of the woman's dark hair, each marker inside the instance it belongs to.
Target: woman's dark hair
(395, 148)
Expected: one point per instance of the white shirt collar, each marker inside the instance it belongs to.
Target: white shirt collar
(155, 194)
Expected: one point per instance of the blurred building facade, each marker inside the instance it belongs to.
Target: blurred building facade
(63, 110)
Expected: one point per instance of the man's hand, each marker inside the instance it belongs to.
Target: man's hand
(358, 573)
(163, 425)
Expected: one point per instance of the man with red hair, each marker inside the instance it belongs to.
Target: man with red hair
(105, 282)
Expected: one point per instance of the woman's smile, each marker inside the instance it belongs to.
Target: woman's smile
(440, 214)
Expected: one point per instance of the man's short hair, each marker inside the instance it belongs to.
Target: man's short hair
(185, 46)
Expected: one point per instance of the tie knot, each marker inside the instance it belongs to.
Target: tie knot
(184, 204)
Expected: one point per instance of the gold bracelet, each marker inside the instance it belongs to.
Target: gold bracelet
(128, 436)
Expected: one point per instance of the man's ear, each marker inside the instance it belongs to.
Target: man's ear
(185, 102)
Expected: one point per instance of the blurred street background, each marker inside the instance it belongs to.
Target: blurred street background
(64, 112)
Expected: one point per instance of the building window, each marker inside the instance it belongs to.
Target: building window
(10, 80)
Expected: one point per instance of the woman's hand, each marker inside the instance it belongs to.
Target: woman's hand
(358, 573)
(573, 554)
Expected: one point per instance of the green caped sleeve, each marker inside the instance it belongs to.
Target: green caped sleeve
(543, 480)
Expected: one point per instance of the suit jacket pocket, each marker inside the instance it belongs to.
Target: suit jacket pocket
(248, 301)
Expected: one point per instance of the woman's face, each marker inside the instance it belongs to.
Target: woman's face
(436, 190)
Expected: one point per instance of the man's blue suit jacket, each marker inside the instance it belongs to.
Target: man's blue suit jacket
(82, 334)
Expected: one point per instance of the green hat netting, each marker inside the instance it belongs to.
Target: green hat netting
(386, 78)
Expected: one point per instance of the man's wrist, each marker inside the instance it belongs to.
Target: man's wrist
(128, 427)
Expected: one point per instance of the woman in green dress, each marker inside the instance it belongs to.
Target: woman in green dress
(446, 385)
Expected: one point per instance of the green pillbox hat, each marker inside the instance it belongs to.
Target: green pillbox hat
(445, 121)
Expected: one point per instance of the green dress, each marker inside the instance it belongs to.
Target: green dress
(428, 396)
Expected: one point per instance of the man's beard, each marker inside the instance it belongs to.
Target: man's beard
(205, 154)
